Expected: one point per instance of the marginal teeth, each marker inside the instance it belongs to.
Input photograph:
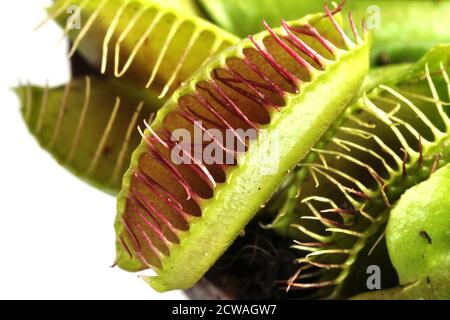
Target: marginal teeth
(239, 94)
(86, 27)
(130, 35)
(110, 33)
(104, 138)
(303, 47)
(120, 72)
(163, 50)
(290, 51)
(289, 77)
(272, 85)
(44, 107)
(382, 140)
(126, 144)
(348, 43)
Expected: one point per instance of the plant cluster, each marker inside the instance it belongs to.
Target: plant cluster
(335, 163)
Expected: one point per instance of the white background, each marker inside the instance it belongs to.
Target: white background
(56, 233)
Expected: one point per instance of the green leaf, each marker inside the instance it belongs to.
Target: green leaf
(88, 125)
(244, 17)
(337, 201)
(98, 28)
(382, 74)
(418, 238)
(407, 28)
(418, 235)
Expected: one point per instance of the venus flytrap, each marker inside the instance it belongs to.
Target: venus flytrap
(283, 205)
(100, 29)
(337, 202)
(151, 43)
(292, 82)
(260, 106)
(111, 32)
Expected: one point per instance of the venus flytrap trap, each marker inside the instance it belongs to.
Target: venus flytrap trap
(337, 203)
(116, 31)
(88, 130)
(292, 82)
(147, 42)
(282, 207)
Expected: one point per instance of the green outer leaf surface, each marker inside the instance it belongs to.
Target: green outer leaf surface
(383, 74)
(298, 126)
(74, 140)
(418, 237)
(244, 17)
(185, 6)
(407, 30)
